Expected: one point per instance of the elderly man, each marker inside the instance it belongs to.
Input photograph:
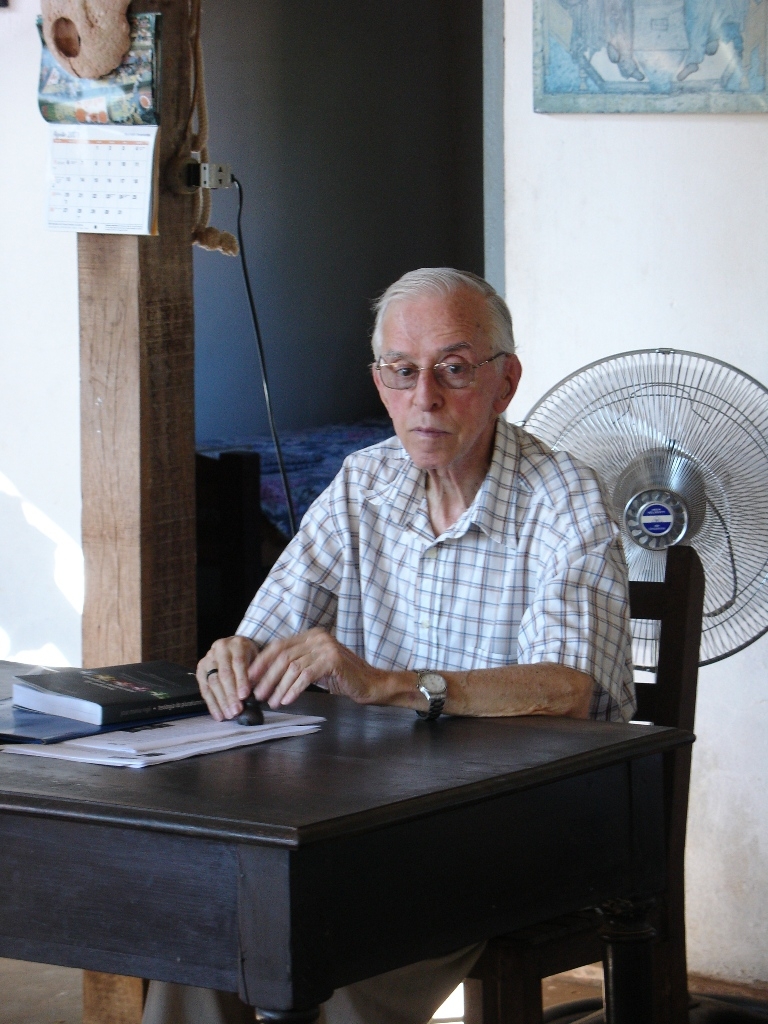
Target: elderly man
(461, 567)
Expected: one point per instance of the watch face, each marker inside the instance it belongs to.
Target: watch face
(433, 682)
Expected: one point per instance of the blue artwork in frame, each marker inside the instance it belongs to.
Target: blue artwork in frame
(650, 56)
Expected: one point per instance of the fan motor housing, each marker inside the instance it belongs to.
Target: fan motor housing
(661, 499)
(656, 519)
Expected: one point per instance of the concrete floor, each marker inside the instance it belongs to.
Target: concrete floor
(40, 994)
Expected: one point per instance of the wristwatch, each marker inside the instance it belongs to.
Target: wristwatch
(434, 688)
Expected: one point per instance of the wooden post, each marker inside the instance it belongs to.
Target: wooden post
(137, 437)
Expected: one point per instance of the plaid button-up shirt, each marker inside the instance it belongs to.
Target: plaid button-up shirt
(532, 572)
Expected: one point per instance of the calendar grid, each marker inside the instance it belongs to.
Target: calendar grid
(102, 179)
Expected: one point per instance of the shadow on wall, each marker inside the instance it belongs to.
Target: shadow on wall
(43, 569)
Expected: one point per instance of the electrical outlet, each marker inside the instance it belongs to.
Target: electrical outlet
(186, 175)
(215, 175)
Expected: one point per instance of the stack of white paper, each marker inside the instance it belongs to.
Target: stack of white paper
(155, 742)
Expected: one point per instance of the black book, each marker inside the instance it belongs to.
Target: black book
(106, 696)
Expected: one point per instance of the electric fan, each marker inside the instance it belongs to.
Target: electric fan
(680, 441)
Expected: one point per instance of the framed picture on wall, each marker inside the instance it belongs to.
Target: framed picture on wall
(650, 56)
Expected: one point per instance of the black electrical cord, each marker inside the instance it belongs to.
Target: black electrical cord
(262, 360)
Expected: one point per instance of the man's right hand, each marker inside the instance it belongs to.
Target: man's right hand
(223, 676)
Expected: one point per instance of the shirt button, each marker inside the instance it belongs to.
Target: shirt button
(424, 623)
(430, 553)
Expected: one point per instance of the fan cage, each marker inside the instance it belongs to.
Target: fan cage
(691, 408)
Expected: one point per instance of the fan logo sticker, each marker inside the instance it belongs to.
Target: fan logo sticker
(656, 519)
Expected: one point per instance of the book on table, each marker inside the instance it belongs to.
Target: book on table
(117, 693)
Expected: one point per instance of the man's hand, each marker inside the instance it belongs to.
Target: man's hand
(285, 668)
(223, 675)
(234, 667)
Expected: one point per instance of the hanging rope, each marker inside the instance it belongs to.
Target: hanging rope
(203, 234)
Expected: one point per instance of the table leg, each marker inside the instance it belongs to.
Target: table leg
(288, 1016)
(628, 962)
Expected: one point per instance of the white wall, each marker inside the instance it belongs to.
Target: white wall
(638, 231)
(40, 557)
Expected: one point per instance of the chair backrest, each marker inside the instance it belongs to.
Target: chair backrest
(678, 603)
(229, 536)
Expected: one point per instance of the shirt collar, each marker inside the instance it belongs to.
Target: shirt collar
(492, 509)
(404, 494)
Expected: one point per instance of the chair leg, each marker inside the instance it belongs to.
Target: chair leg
(670, 963)
(628, 963)
(670, 970)
(112, 998)
(504, 989)
(474, 991)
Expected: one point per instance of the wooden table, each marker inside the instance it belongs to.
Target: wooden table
(287, 870)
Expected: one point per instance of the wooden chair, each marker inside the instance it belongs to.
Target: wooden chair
(505, 985)
(229, 537)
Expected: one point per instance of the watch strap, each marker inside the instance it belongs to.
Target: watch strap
(436, 700)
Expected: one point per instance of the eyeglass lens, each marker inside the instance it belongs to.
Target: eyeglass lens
(401, 375)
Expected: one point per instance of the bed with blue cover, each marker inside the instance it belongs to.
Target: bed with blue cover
(312, 457)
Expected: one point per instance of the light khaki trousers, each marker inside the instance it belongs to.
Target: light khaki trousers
(409, 995)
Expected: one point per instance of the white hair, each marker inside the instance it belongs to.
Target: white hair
(446, 281)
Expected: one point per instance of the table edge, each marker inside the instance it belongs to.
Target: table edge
(659, 741)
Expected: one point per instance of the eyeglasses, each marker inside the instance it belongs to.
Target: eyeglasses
(452, 373)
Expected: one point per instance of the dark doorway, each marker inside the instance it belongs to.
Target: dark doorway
(356, 127)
